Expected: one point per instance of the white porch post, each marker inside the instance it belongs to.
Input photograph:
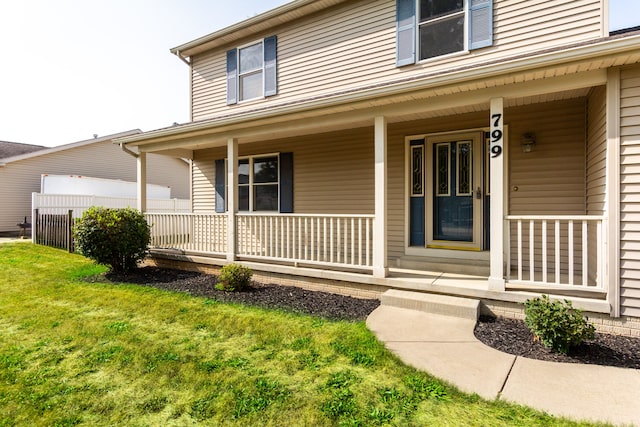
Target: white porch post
(232, 197)
(496, 274)
(611, 262)
(142, 181)
(380, 221)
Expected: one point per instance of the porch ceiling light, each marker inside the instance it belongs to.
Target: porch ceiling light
(528, 141)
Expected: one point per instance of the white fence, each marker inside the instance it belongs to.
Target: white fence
(556, 251)
(58, 204)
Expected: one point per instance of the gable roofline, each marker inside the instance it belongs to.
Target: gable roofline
(288, 12)
(47, 151)
(593, 50)
(12, 149)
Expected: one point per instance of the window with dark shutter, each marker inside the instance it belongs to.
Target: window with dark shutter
(431, 28)
(252, 71)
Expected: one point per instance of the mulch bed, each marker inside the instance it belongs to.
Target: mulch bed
(507, 335)
(512, 336)
(322, 304)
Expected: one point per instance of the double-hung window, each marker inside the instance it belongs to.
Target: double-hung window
(431, 28)
(264, 183)
(251, 71)
(258, 181)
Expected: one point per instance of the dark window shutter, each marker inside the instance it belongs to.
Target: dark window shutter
(286, 182)
(405, 32)
(220, 187)
(232, 76)
(270, 66)
(480, 24)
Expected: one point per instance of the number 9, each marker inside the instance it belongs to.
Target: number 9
(496, 150)
(496, 135)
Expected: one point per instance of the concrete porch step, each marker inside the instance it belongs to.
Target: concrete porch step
(443, 305)
(473, 267)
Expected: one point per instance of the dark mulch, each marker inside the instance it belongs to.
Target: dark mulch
(508, 335)
(513, 337)
(289, 298)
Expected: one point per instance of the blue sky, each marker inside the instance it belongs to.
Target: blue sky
(74, 68)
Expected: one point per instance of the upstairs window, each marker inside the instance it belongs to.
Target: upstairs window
(430, 28)
(251, 71)
(441, 27)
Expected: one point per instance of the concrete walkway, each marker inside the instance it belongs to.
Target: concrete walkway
(447, 348)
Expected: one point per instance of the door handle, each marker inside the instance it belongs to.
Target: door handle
(478, 193)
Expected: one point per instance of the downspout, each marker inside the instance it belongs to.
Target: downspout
(126, 150)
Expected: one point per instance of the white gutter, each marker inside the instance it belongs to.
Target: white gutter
(579, 52)
(126, 150)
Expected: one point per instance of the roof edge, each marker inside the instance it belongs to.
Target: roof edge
(281, 14)
(71, 145)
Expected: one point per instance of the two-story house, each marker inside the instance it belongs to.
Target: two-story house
(480, 148)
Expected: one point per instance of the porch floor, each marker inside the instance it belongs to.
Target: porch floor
(415, 280)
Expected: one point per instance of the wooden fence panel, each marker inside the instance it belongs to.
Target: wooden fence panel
(53, 230)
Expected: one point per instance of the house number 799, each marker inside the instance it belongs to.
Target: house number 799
(496, 135)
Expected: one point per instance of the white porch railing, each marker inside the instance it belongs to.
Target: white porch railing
(331, 240)
(205, 233)
(336, 240)
(556, 251)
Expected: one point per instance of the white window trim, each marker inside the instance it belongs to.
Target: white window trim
(251, 183)
(240, 74)
(465, 49)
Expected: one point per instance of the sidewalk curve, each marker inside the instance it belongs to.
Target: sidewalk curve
(447, 348)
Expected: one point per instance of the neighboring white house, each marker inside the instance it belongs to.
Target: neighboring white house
(20, 175)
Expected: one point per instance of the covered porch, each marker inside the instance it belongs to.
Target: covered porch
(539, 220)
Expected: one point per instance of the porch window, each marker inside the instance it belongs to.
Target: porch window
(430, 28)
(251, 71)
(265, 184)
(258, 184)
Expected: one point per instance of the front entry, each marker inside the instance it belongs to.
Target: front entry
(452, 204)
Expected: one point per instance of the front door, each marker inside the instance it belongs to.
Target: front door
(454, 191)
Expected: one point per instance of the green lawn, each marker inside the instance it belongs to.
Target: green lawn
(80, 353)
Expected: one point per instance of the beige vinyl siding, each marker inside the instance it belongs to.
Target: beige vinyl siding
(596, 165)
(101, 160)
(630, 192)
(353, 45)
(333, 172)
(596, 151)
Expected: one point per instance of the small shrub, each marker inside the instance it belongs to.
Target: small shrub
(118, 238)
(234, 277)
(558, 325)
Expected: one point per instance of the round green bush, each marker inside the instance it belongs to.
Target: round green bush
(557, 325)
(234, 277)
(118, 238)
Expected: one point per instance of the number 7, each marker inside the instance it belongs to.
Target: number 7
(497, 118)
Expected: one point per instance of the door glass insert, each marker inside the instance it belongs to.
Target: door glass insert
(442, 169)
(465, 168)
(417, 172)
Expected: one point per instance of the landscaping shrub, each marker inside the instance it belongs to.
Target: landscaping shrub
(118, 238)
(234, 277)
(558, 325)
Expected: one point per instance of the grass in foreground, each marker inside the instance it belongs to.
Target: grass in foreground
(75, 353)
